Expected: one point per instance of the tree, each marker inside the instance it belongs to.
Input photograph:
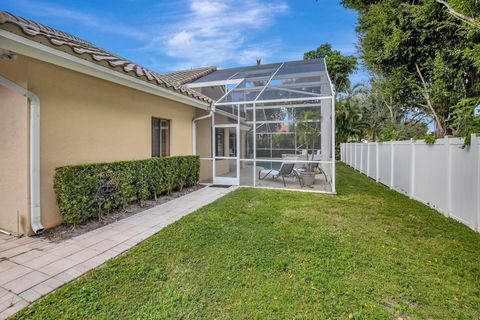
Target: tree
(464, 120)
(348, 118)
(465, 10)
(394, 92)
(340, 67)
(351, 123)
(308, 130)
(358, 4)
(362, 113)
(374, 113)
(420, 47)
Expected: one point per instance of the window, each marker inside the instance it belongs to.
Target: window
(232, 142)
(220, 144)
(160, 137)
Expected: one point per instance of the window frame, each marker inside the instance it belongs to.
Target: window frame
(160, 146)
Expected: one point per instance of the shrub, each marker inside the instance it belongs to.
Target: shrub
(430, 138)
(90, 190)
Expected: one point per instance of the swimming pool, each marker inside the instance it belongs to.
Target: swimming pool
(269, 165)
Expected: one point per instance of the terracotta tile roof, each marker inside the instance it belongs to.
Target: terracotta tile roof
(186, 76)
(75, 46)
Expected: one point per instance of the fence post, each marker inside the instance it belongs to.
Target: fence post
(412, 169)
(475, 145)
(368, 159)
(355, 155)
(345, 157)
(361, 157)
(448, 154)
(392, 162)
(377, 167)
(350, 154)
(346, 152)
(345, 148)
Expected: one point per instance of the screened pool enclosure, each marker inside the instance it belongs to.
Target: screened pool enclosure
(272, 126)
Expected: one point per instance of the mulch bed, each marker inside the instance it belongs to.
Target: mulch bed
(63, 231)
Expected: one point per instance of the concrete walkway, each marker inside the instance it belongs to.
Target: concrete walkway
(33, 267)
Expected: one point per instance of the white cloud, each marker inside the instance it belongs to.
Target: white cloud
(181, 39)
(190, 32)
(215, 33)
(207, 8)
(249, 56)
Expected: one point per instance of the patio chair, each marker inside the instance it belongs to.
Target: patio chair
(286, 170)
(315, 166)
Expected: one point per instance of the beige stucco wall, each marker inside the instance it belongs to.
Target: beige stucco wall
(85, 119)
(14, 187)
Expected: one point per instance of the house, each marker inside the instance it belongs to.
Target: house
(65, 101)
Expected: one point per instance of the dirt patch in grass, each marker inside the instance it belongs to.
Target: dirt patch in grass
(64, 231)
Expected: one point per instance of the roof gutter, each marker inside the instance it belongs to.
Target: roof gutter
(35, 213)
(33, 49)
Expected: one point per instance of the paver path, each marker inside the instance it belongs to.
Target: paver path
(33, 267)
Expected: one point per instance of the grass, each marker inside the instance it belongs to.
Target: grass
(368, 253)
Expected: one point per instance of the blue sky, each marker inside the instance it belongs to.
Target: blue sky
(172, 35)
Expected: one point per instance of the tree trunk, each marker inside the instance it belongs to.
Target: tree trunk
(458, 15)
(440, 125)
(393, 116)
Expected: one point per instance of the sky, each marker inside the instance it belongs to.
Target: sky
(173, 35)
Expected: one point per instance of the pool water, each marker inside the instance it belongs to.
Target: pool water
(269, 165)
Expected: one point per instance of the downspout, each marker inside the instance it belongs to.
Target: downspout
(35, 222)
(194, 129)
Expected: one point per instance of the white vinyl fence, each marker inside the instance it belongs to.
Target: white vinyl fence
(443, 176)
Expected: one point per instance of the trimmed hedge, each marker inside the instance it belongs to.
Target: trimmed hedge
(89, 190)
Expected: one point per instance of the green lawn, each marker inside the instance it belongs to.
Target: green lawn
(368, 253)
